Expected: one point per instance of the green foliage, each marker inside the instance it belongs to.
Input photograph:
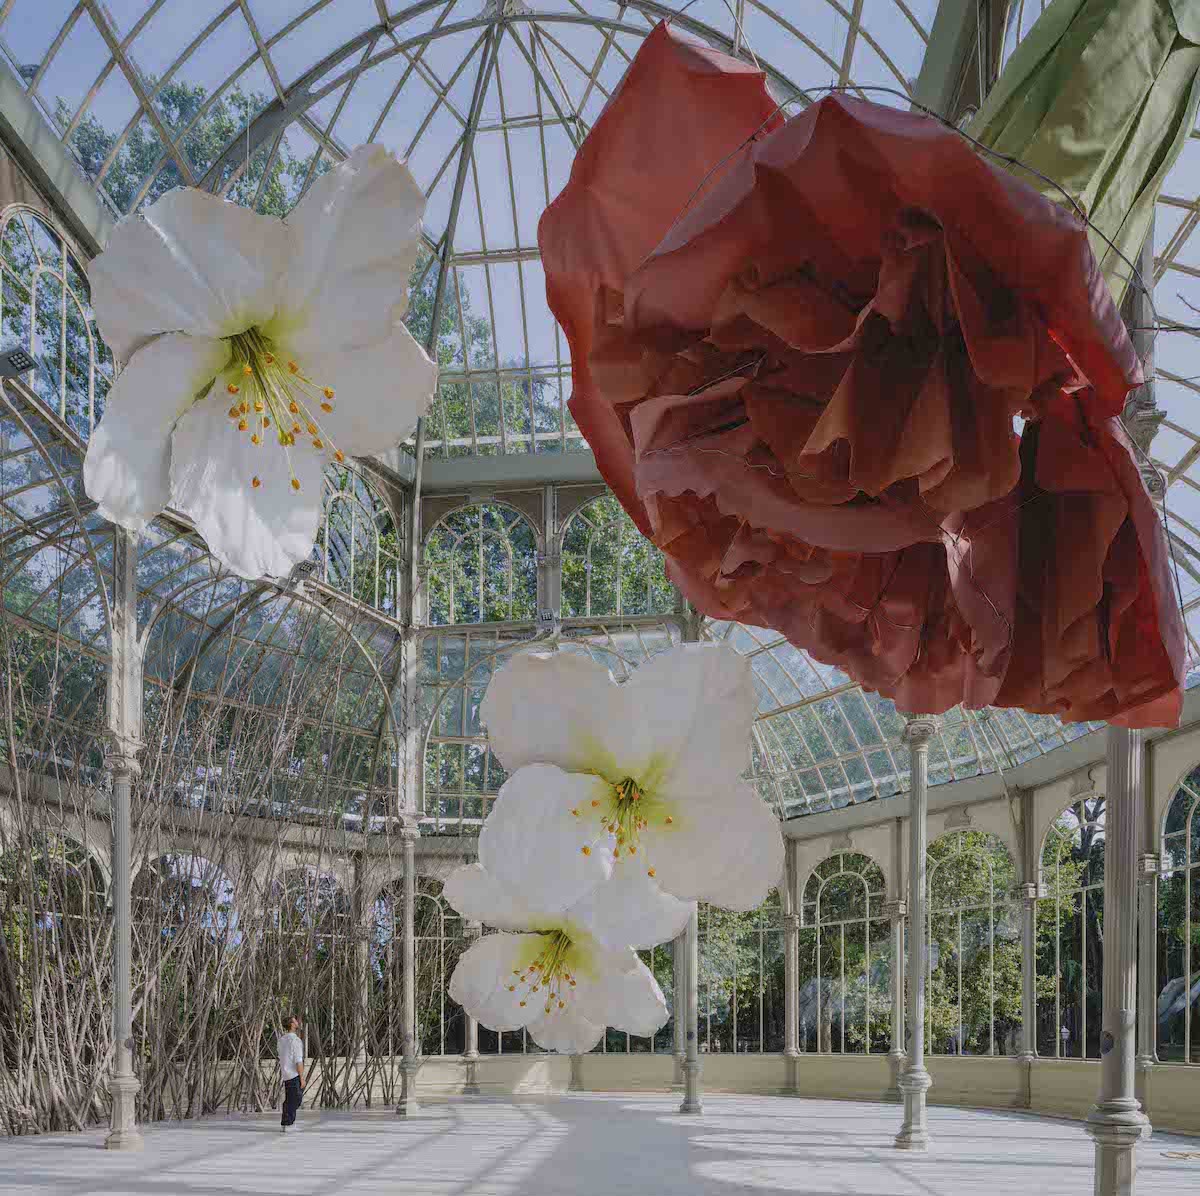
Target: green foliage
(610, 568)
(139, 164)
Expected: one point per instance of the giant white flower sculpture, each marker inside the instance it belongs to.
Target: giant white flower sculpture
(661, 757)
(256, 351)
(572, 968)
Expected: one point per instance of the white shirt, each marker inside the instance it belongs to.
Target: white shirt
(291, 1055)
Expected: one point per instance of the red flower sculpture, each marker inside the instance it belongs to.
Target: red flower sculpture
(799, 349)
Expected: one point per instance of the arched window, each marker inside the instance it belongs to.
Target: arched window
(315, 970)
(45, 307)
(359, 547)
(845, 958)
(609, 567)
(1178, 989)
(973, 997)
(1070, 929)
(481, 566)
(741, 978)
(439, 944)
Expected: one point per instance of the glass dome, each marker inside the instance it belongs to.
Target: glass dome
(488, 100)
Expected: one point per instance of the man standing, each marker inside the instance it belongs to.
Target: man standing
(291, 1071)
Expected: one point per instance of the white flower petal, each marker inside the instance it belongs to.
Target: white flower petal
(535, 846)
(695, 707)
(480, 897)
(725, 848)
(192, 263)
(380, 391)
(626, 997)
(127, 468)
(484, 975)
(631, 910)
(259, 532)
(355, 238)
(565, 1030)
(557, 708)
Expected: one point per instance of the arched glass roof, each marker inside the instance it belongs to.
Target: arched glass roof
(254, 98)
(488, 100)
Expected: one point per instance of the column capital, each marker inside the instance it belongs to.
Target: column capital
(1029, 891)
(791, 922)
(1149, 866)
(896, 911)
(919, 729)
(472, 931)
(121, 760)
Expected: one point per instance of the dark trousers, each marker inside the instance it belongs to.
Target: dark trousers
(292, 1096)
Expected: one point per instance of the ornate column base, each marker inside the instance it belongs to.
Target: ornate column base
(680, 1064)
(914, 1133)
(471, 1085)
(691, 1088)
(896, 1061)
(1024, 1099)
(1117, 1129)
(793, 1071)
(575, 1083)
(124, 1134)
(408, 1105)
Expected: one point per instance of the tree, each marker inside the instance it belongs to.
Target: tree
(179, 104)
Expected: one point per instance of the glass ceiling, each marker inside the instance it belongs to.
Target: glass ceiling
(253, 98)
(489, 98)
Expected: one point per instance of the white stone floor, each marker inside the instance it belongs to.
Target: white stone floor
(588, 1145)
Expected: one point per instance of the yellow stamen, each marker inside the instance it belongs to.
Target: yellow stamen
(256, 482)
(669, 820)
(243, 407)
(326, 406)
(294, 407)
(575, 812)
(247, 372)
(254, 439)
(258, 405)
(312, 429)
(242, 425)
(269, 358)
(233, 388)
(586, 850)
(266, 421)
(522, 1004)
(340, 455)
(318, 444)
(562, 1004)
(233, 413)
(595, 803)
(512, 988)
(295, 483)
(328, 392)
(295, 369)
(650, 872)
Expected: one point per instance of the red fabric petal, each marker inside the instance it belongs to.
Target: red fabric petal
(798, 349)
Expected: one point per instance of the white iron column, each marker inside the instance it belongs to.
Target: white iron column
(124, 714)
(1117, 1122)
(1147, 1056)
(791, 998)
(679, 1004)
(471, 933)
(791, 966)
(691, 1066)
(123, 1085)
(408, 1105)
(1029, 900)
(914, 1083)
(896, 912)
